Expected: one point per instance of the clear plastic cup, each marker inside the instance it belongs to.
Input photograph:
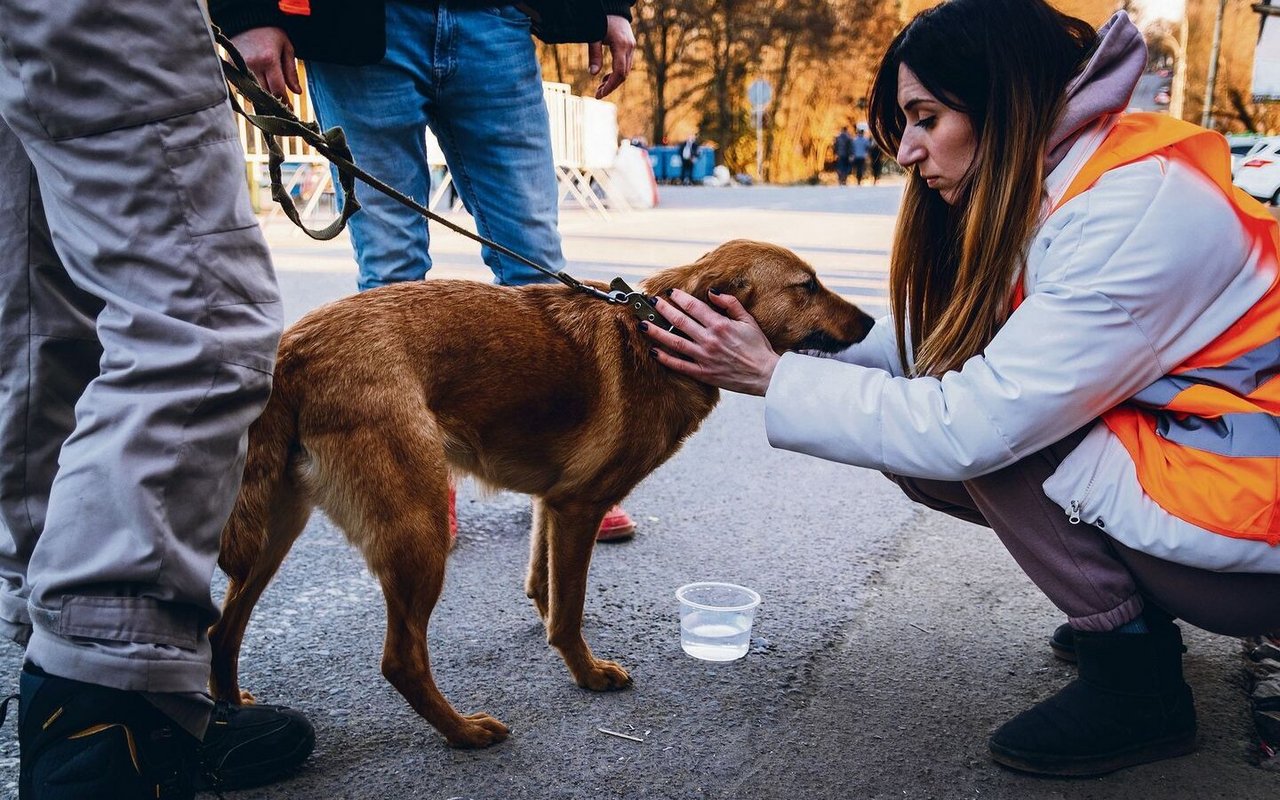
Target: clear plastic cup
(715, 620)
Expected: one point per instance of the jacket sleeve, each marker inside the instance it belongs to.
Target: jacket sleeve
(1125, 285)
(618, 8)
(237, 16)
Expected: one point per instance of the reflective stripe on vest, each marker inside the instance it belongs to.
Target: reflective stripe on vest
(1205, 439)
(297, 8)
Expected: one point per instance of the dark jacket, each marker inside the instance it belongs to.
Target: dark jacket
(844, 145)
(354, 31)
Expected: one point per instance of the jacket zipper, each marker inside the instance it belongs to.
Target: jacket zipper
(1077, 506)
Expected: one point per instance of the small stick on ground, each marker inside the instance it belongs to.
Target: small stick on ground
(620, 735)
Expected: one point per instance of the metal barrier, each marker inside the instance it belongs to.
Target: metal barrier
(584, 139)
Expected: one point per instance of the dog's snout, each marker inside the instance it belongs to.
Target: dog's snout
(851, 327)
(865, 323)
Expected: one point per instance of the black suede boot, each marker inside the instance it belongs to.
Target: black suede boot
(1063, 643)
(1129, 706)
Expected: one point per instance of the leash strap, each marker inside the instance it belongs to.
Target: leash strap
(274, 119)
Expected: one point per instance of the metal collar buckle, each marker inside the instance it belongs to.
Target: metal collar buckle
(641, 306)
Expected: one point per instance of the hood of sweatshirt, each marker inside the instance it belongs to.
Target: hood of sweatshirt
(1104, 86)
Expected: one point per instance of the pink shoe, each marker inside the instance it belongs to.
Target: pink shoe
(617, 526)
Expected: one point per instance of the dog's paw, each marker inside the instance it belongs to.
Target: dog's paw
(478, 730)
(604, 676)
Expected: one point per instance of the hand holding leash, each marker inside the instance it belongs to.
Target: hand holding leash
(268, 54)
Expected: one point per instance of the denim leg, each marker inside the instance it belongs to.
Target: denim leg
(382, 110)
(491, 120)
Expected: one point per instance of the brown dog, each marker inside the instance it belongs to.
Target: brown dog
(379, 396)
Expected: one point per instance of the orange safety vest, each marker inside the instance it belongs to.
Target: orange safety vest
(1205, 439)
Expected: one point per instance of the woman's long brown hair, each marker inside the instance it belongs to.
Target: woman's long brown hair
(1005, 64)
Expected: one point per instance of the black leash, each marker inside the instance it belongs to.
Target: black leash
(275, 119)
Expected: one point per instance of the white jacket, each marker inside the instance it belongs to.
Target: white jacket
(1123, 283)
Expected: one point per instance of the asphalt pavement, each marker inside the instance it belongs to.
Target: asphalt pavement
(890, 642)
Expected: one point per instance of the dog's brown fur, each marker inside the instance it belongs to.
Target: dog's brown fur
(379, 396)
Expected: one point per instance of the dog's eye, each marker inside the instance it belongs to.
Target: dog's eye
(812, 285)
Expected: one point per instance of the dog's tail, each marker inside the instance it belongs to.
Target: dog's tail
(272, 440)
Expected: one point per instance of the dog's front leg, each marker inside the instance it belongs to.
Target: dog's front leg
(571, 534)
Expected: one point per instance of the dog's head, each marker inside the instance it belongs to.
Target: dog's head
(779, 290)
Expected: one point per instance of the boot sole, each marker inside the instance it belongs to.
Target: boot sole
(1067, 654)
(262, 773)
(1090, 767)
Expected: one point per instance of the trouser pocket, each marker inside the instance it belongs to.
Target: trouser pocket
(89, 66)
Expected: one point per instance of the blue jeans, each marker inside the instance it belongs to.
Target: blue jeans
(471, 75)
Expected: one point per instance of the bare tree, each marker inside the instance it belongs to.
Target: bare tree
(666, 33)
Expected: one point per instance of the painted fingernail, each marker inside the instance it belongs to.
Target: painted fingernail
(668, 292)
(653, 352)
(644, 326)
(714, 290)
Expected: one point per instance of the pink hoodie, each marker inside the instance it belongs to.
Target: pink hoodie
(1102, 87)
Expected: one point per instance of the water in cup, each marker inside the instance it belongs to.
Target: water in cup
(715, 620)
(714, 636)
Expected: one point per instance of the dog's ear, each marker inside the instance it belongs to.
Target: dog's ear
(725, 268)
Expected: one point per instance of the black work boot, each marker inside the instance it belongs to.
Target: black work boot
(252, 745)
(80, 740)
(1129, 706)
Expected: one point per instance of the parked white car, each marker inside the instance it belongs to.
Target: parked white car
(1241, 144)
(1259, 170)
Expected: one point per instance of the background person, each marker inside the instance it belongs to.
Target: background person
(139, 319)
(467, 69)
(1082, 356)
(843, 148)
(688, 157)
(861, 147)
(875, 160)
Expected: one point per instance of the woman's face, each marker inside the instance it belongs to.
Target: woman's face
(938, 140)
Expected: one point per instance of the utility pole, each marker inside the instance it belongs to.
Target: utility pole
(1206, 118)
(1178, 87)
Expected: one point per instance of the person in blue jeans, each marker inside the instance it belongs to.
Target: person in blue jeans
(466, 69)
(861, 148)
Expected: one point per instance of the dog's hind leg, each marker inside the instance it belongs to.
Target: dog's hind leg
(535, 583)
(249, 573)
(389, 491)
(571, 535)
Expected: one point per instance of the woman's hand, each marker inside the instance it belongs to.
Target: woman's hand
(730, 352)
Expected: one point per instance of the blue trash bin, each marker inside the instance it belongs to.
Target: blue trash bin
(660, 158)
(704, 164)
(674, 165)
